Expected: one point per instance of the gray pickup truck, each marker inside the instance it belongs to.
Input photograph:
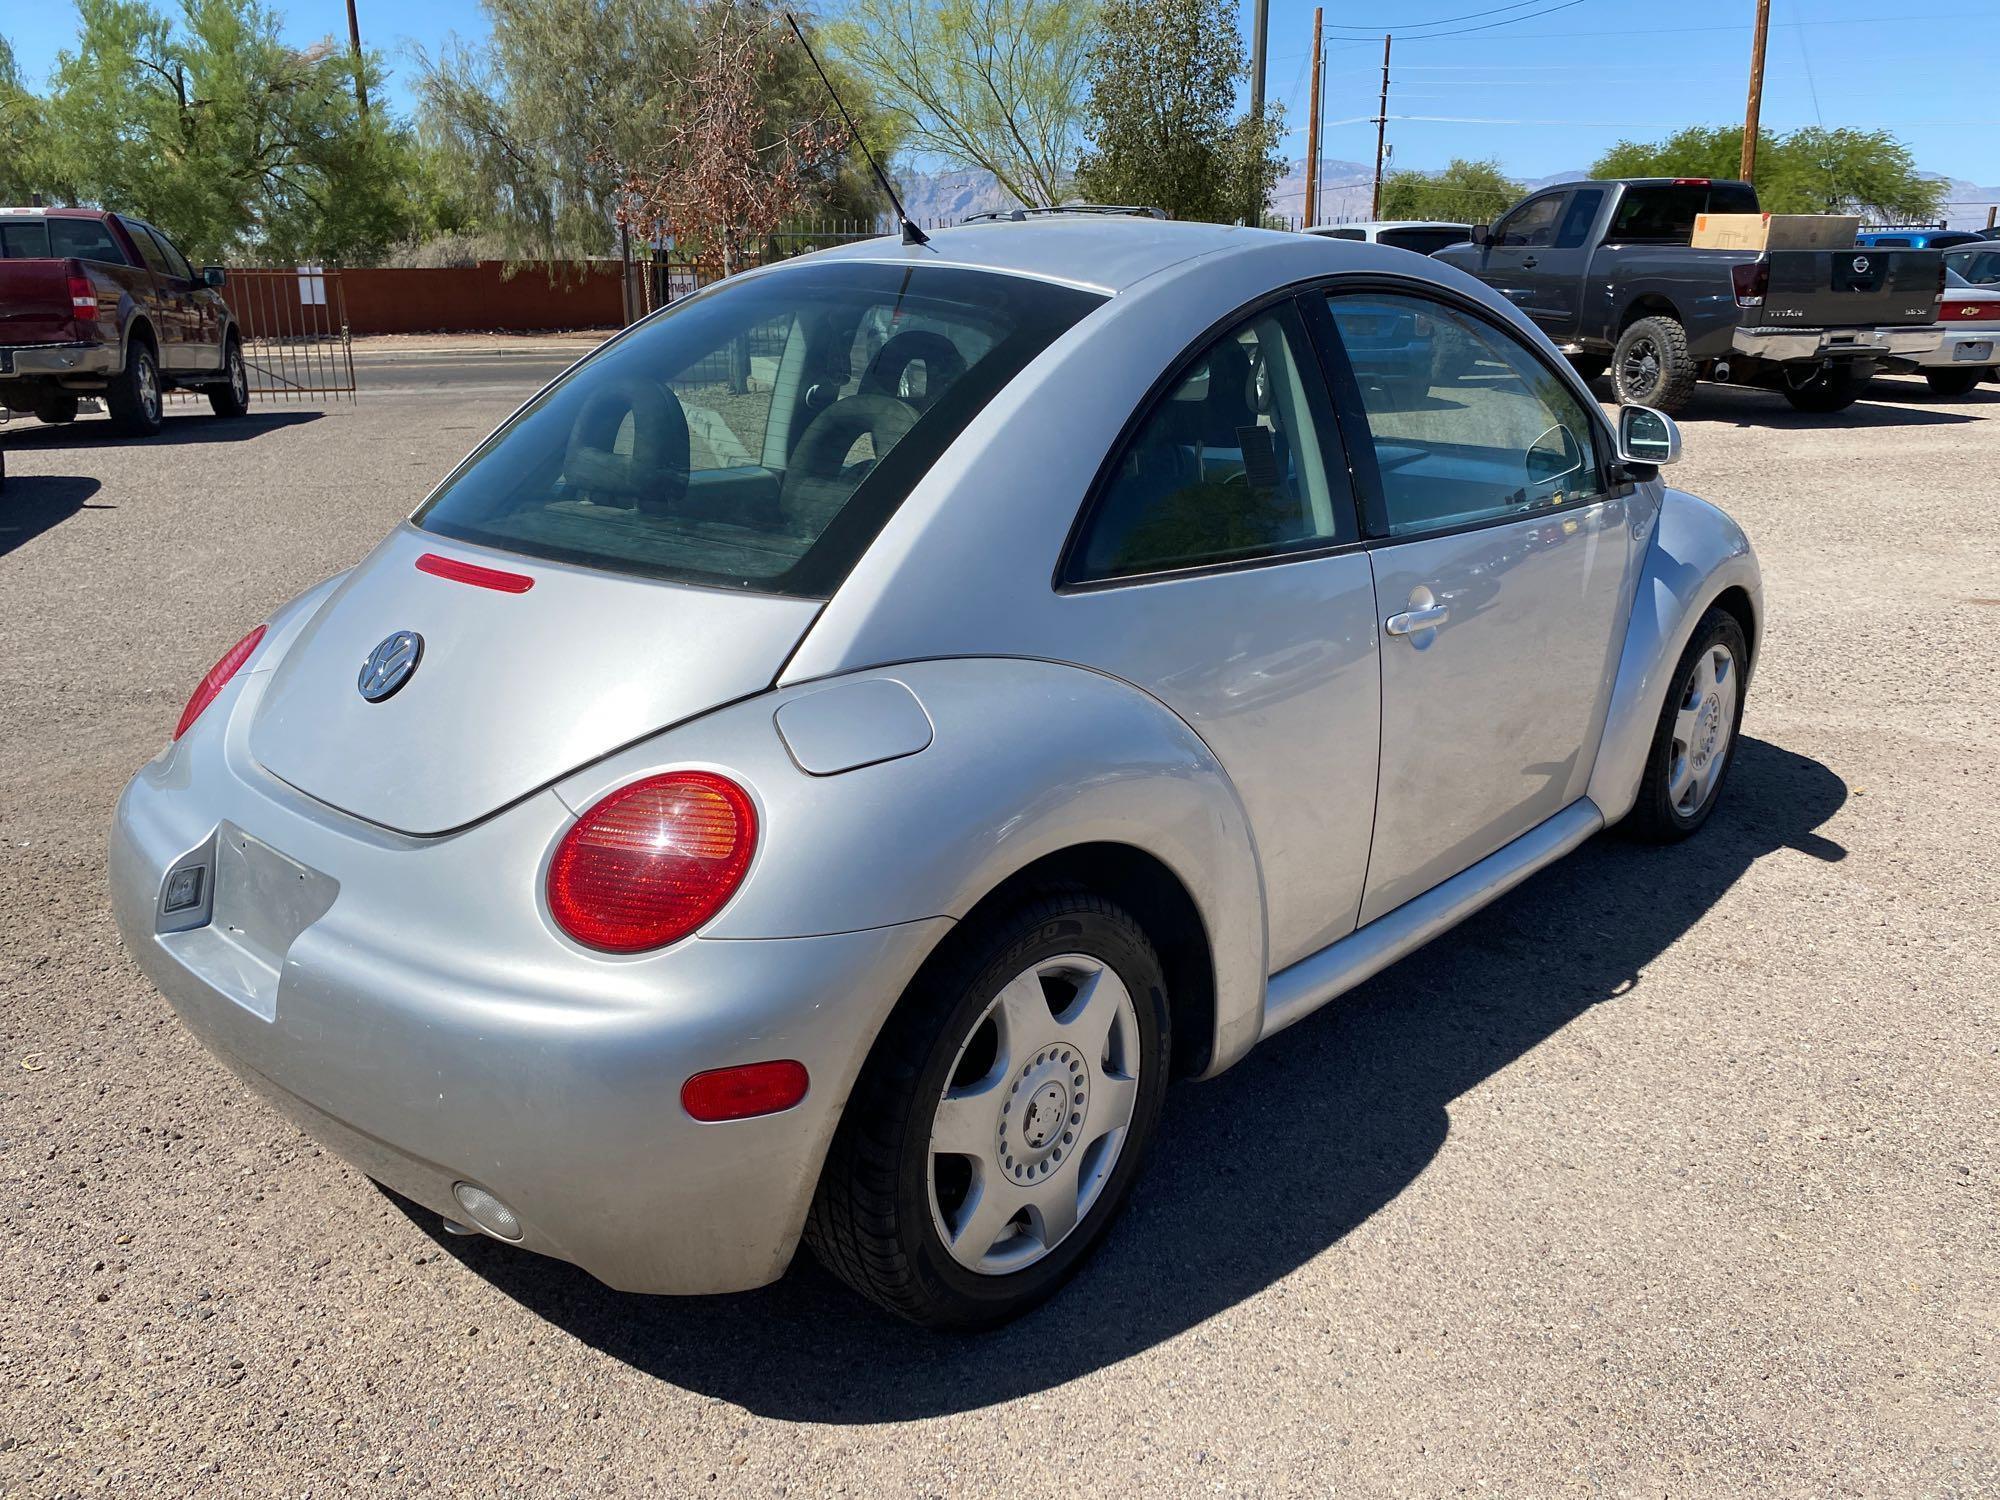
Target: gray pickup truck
(1606, 269)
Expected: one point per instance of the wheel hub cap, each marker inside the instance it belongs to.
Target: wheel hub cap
(1043, 1110)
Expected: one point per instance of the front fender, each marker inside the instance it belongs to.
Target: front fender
(1695, 554)
(1026, 758)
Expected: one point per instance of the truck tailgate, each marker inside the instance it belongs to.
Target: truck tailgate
(34, 302)
(1858, 287)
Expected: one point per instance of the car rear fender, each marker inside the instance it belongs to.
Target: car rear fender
(1696, 555)
(998, 763)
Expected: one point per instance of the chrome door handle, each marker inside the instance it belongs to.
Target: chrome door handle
(1410, 621)
(1528, 264)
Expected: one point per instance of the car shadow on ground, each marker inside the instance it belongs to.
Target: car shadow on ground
(1256, 1173)
(34, 503)
(179, 427)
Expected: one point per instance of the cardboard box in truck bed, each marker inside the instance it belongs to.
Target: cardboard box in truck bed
(1774, 231)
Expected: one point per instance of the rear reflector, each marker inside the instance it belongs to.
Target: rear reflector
(464, 572)
(740, 1093)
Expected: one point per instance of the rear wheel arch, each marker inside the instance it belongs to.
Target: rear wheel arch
(1651, 305)
(1147, 887)
(140, 331)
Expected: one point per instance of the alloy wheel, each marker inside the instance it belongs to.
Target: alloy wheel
(1640, 370)
(149, 390)
(1034, 1114)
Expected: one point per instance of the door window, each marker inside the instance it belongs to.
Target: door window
(1533, 224)
(1424, 241)
(176, 262)
(1466, 424)
(1228, 466)
(149, 248)
(1578, 217)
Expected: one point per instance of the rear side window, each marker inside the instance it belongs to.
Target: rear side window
(176, 262)
(1422, 241)
(86, 239)
(1467, 425)
(1229, 465)
(1664, 213)
(760, 434)
(1578, 217)
(149, 248)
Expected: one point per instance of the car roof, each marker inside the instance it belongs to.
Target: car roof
(1390, 224)
(1095, 251)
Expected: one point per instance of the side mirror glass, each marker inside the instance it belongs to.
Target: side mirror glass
(1481, 234)
(1554, 456)
(1646, 438)
(213, 276)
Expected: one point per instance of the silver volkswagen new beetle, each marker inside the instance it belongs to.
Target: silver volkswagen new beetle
(824, 764)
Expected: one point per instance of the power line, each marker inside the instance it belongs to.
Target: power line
(1435, 36)
(1540, 36)
(1380, 26)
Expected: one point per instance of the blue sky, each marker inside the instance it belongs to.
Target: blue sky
(1544, 85)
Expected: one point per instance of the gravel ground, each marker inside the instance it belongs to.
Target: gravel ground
(1673, 1173)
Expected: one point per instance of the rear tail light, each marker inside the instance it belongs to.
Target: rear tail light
(82, 297)
(740, 1093)
(1691, 182)
(217, 678)
(1753, 280)
(653, 861)
(1957, 310)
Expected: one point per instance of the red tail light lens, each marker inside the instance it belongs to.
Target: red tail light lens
(652, 862)
(82, 298)
(1955, 311)
(217, 678)
(740, 1093)
(1753, 280)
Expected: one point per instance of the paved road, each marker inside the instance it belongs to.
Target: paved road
(462, 374)
(1673, 1173)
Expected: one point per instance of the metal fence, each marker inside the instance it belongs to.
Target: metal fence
(294, 326)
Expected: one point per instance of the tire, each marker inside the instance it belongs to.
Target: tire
(1694, 745)
(1652, 367)
(987, 1020)
(1831, 388)
(135, 396)
(55, 407)
(1953, 382)
(1589, 366)
(231, 399)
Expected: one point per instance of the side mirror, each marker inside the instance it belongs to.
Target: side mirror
(213, 276)
(1647, 439)
(1481, 235)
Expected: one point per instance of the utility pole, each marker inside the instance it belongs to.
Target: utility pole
(1312, 130)
(1756, 104)
(1382, 127)
(1260, 34)
(354, 41)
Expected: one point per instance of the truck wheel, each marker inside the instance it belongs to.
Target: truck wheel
(231, 399)
(1944, 382)
(56, 407)
(1002, 1118)
(1589, 366)
(134, 397)
(1652, 367)
(1829, 388)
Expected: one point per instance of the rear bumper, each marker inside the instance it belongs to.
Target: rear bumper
(43, 361)
(1957, 348)
(431, 1053)
(1787, 345)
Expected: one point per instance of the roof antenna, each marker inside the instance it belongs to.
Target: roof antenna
(911, 234)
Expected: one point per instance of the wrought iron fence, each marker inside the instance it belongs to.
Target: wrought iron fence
(294, 327)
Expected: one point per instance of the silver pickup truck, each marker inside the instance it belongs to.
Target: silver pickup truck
(1606, 268)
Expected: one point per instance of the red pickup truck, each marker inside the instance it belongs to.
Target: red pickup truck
(99, 304)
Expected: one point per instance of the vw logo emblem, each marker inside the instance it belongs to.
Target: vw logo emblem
(390, 665)
(1860, 265)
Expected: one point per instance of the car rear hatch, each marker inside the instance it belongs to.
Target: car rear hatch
(513, 686)
(1857, 287)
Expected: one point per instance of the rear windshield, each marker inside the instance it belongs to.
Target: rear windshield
(1664, 213)
(60, 239)
(1423, 241)
(759, 435)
